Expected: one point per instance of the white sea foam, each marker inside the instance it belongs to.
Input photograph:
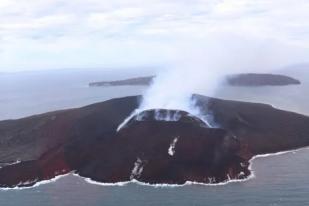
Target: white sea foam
(36, 184)
(90, 181)
(269, 155)
(251, 176)
(161, 185)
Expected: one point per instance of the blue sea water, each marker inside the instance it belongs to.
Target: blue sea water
(281, 180)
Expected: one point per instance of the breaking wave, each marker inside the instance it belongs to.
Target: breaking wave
(43, 182)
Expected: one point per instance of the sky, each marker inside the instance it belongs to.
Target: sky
(54, 34)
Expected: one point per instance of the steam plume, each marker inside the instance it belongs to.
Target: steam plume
(201, 69)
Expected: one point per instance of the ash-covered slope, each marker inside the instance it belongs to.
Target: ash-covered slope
(85, 140)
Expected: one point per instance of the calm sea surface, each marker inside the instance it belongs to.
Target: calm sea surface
(279, 180)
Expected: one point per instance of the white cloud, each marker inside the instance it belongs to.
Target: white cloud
(36, 23)
(156, 27)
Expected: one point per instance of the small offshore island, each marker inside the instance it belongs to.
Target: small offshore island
(248, 79)
(85, 141)
(252, 79)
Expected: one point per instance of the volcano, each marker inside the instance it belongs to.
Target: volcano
(154, 146)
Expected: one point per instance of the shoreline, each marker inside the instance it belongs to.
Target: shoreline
(188, 183)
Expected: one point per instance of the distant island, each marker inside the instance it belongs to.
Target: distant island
(86, 141)
(253, 79)
(248, 79)
(142, 81)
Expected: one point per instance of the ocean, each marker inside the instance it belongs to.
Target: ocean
(281, 179)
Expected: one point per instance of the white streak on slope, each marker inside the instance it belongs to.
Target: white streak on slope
(171, 149)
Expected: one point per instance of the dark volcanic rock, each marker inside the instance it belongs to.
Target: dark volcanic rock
(132, 82)
(253, 79)
(261, 128)
(144, 151)
(44, 141)
(148, 148)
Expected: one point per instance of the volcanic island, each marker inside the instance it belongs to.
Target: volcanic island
(87, 141)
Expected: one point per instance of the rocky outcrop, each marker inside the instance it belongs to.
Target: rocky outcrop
(148, 148)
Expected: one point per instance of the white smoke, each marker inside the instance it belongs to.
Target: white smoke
(201, 66)
(173, 88)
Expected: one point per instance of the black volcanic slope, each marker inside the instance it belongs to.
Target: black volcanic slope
(149, 149)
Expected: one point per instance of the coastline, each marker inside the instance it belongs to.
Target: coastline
(188, 183)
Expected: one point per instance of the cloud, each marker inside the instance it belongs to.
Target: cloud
(135, 32)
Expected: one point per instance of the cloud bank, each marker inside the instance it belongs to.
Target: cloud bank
(49, 34)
